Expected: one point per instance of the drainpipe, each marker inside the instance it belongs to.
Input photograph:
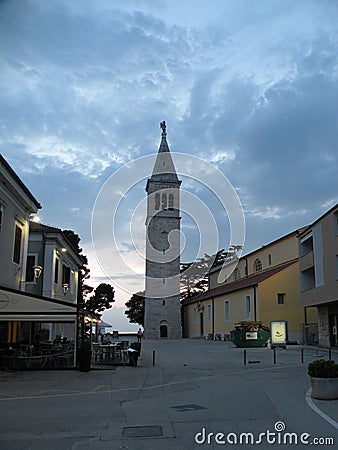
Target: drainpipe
(213, 317)
(306, 326)
(255, 302)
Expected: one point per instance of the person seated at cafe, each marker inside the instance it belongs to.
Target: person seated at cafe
(57, 339)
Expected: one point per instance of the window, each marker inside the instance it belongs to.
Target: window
(163, 302)
(171, 201)
(209, 313)
(306, 244)
(226, 311)
(237, 274)
(31, 262)
(257, 266)
(17, 244)
(164, 201)
(269, 260)
(56, 270)
(157, 201)
(336, 267)
(280, 299)
(66, 275)
(247, 307)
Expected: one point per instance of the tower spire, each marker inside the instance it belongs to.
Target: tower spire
(164, 144)
(164, 169)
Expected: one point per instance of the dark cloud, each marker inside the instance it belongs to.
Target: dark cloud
(250, 86)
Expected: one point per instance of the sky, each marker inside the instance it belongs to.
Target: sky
(248, 87)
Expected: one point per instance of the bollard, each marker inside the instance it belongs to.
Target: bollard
(274, 356)
(244, 357)
(302, 355)
(329, 352)
(153, 358)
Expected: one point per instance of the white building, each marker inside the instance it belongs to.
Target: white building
(32, 307)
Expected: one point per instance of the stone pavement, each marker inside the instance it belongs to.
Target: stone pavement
(196, 390)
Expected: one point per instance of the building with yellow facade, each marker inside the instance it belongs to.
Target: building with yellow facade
(263, 285)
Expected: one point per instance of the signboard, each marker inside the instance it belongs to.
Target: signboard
(278, 332)
(251, 335)
(115, 334)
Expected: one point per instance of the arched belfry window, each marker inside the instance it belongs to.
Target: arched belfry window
(164, 201)
(257, 265)
(171, 201)
(157, 201)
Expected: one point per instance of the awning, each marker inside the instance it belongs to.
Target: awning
(18, 305)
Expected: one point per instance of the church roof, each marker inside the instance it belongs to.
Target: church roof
(164, 169)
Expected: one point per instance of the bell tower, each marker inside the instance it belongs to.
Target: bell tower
(162, 295)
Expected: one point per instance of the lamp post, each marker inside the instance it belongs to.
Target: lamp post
(65, 287)
(37, 271)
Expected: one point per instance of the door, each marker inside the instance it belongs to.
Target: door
(201, 324)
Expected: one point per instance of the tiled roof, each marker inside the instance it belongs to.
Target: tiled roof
(36, 226)
(252, 280)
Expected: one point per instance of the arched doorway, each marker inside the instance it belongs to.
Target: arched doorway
(163, 329)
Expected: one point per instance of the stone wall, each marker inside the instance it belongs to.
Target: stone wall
(323, 327)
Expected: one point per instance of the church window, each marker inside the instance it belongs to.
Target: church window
(157, 201)
(257, 265)
(171, 201)
(164, 201)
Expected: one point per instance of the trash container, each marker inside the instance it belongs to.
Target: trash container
(250, 335)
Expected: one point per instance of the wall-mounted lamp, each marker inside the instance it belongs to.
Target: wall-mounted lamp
(65, 287)
(63, 250)
(34, 218)
(37, 271)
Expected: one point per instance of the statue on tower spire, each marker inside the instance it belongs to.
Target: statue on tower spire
(164, 128)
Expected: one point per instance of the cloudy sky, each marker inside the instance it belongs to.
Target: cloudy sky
(248, 86)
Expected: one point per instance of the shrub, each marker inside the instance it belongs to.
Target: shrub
(322, 368)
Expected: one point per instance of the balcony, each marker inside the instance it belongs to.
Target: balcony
(306, 261)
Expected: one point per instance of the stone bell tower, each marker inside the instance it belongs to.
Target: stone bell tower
(162, 296)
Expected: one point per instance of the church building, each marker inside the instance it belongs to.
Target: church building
(162, 283)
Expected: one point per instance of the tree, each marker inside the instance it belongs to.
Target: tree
(84, 273)
(135, 311)
(194, 275)
(102, 298)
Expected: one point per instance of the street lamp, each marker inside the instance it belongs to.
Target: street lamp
(65, 287)
(37, 271)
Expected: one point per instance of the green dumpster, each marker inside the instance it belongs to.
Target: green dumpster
(249, 335)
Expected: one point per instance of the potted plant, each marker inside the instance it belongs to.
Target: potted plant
(84, 357)
(324, 379)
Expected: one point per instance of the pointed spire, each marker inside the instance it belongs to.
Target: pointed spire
(164, 169)
(164, 144)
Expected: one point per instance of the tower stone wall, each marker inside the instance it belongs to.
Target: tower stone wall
(162, 303)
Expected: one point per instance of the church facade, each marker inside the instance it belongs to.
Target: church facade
(162, 281)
